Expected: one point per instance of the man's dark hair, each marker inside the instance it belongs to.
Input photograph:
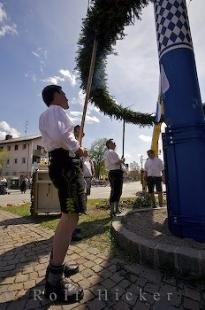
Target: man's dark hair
(48, 93)
(150, 151)
(108, 142)
(76, 128)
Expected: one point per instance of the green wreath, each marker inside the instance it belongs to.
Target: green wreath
(105, 22)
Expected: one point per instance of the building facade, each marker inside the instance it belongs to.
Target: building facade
(20, 155)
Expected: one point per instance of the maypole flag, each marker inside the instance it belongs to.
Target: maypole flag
(164, 81)
(163, 88)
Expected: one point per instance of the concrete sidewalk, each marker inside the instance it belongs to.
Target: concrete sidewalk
(108, 282)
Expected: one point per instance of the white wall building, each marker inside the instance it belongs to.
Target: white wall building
(20, 154)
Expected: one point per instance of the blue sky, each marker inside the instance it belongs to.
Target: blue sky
(38, 44)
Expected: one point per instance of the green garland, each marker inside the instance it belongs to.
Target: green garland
(105, 21)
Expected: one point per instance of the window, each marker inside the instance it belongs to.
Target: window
(24, 146)
(8, 162)
(8, 148)
(23, 160)
(15, 161)
(39, 147)
(16, 147)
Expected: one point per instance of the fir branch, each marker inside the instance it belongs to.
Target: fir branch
(106, 20)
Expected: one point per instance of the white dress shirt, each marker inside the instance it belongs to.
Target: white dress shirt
(154, 167)
(57, 130)
(112, 160)
(87, 167)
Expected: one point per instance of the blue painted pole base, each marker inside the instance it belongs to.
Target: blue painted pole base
(184, 156)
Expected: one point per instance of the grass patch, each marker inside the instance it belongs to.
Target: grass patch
(22, 210)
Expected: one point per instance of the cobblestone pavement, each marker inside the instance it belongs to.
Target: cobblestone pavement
(108, 282)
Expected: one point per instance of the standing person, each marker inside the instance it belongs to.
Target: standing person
(114, 164)
(154, 169)
(88, 171)
(3, 185)
(23, 184)
(66, 174)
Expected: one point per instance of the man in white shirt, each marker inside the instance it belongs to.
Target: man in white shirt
(88, 171)
(67, 176)
(154, 169)
(114, 164)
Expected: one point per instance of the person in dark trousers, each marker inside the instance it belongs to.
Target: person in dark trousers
(88, 171)
(23, 185)
(114, 164)
(66, 174)
(154, 170)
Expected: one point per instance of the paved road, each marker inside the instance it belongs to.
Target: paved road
(129, 190)
(15, 196)
(108, 282)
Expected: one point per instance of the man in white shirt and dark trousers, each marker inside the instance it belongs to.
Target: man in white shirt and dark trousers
(114, 164)
(154, 169)
(88, 171)
(67, 176)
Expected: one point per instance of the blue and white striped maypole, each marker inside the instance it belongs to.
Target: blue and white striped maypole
(184, 138)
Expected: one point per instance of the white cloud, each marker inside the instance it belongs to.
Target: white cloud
(69, 76)
(75, 113)
(80, 100)
(36, 54)
(64, 75)
(92, 119)
(5, 26)
(92, 108)
(145, 138)
(76, 116)
(5, 129)
(81, 97)
(41, 54)
(128, 156)
(3, 15)
(54, 79)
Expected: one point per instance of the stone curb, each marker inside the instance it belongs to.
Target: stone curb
(183, 260)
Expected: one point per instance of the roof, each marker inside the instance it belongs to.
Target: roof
(20, 139)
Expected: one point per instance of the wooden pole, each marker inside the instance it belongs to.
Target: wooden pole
(88, 88)
(123, 139)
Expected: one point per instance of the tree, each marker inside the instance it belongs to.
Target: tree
(97, 153)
